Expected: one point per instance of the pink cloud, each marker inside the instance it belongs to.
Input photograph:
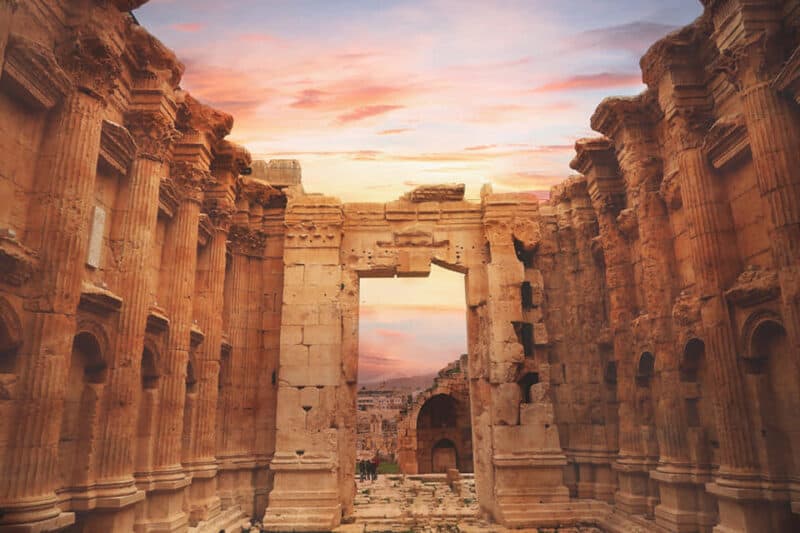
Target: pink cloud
(603, 80)
(188, 27)
(360, 113)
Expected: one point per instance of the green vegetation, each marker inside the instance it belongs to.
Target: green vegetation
(388, 468)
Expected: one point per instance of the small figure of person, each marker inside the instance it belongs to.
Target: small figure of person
(362, 470)
(375, 462)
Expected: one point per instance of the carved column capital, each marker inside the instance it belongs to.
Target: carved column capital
(191, 180)
(220, 212)
(246, 241)
(752, 60)
(93, 62)
(689, 125)
(154, 133)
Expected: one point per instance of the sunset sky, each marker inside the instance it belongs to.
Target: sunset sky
(374, 97)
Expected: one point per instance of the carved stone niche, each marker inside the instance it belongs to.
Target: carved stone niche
(33, 75)
(117, 148)
(727, 141)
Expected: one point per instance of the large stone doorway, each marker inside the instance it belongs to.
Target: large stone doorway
(329, 246)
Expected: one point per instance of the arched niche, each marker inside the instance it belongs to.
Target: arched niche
(87, 373)
(773, 366)
(148, 406)
(645, 369)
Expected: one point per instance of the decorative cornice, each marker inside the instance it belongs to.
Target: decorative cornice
(98, 300)
(197, 117)
(155, 134)
(597, 160)
(673, 51)
(117, 147)
(727, 141)
(617, 113)
(231, 157)
(34, 73)
(257, 192)
(17, 263)
(154, 61)
(93, 62)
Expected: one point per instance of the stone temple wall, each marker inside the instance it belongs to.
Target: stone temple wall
(140, 286)
(178, 341)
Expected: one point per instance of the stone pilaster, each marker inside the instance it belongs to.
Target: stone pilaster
(65, 177)
(306, 495)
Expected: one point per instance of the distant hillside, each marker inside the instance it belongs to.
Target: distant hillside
(412, 383)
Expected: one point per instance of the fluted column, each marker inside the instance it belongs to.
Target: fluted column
(200, 457)
(179, 265)
(58, 226)
(232, 423)
(153, 134)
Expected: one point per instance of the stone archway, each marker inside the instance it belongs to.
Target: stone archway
(328, 247)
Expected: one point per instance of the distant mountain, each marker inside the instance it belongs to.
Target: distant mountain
(413, 383)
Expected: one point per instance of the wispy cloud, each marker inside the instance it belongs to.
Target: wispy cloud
(360, 113)
(602, 80)
(188, 27)
(394, 131)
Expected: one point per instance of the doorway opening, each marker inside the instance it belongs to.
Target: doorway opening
(413, 410)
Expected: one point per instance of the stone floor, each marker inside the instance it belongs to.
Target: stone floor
(424, 504)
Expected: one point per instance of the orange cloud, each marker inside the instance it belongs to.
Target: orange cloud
(395, 131)
(603, 80)
(363, 112)
(188, 27)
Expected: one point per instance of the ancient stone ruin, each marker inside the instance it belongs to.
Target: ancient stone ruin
(178, 324)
